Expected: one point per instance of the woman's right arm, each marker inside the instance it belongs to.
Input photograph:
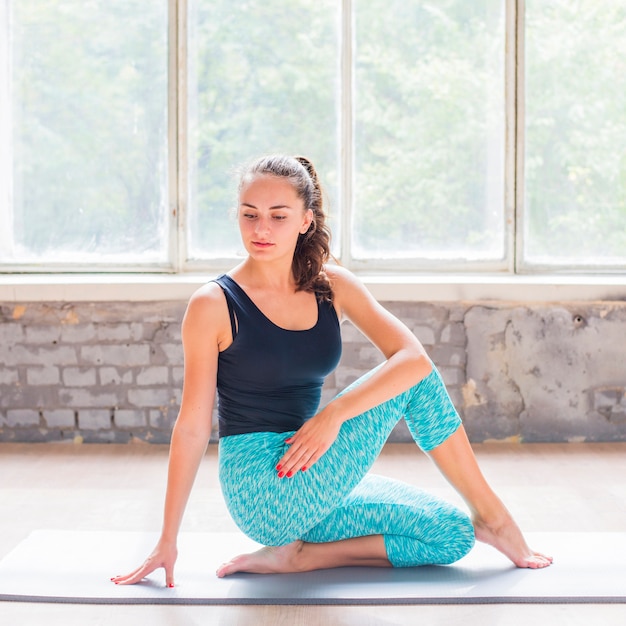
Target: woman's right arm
(205, 327)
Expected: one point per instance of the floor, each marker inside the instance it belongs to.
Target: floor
(551, 488)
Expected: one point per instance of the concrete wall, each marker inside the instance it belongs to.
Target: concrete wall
(112, 372)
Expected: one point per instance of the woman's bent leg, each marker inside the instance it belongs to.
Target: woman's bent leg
(417, 528)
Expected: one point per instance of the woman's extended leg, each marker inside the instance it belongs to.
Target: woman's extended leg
(455, 459)
(493, 524)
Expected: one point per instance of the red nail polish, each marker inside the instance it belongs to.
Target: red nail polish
(304, 469)
(289, 474)
(278, 467)
(281, 474)
(171, 585)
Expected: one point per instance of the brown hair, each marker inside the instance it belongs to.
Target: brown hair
(313, 247)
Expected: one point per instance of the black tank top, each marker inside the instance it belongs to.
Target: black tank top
(270, 379)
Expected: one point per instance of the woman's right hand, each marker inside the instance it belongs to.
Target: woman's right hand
(164, 555)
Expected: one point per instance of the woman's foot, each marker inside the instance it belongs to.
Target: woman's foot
(268, 560)
(301, 556)
(505, 536)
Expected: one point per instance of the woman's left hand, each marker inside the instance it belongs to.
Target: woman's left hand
(308, 444)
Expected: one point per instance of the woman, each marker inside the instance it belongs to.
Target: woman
(294, 476)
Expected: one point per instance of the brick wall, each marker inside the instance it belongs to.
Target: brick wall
(112, 372)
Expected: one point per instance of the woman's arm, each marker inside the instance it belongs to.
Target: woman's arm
(406, 364)
(204, 329)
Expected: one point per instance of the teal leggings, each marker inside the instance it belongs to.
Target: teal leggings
(337, 499)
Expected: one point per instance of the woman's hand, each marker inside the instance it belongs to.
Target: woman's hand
(164, 555)
(308, 444)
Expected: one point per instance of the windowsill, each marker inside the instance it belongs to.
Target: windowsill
(385, 287)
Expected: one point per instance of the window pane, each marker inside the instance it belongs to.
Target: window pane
(89, 131)
(429, 129)
(262, 79)
(575, 179)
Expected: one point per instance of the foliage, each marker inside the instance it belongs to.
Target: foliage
(576, 130)
(90, 109)
(90, 124)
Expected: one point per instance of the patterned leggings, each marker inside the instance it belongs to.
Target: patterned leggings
(336, 498)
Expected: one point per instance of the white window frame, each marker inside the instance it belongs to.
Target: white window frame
(382, 275)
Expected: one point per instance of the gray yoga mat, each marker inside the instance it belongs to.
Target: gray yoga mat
(75, 567)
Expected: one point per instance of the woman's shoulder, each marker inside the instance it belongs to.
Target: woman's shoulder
(207, 308)
(342, 279)
(348, 290)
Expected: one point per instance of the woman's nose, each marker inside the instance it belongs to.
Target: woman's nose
(262, 225)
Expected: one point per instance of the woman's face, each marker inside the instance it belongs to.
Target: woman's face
(271, 217)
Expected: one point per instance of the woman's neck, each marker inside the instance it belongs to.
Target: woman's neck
(255, 275)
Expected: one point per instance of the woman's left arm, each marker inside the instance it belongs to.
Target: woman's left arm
(406, 364)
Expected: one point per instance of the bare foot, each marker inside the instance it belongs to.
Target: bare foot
(506, 537)
(268, 560)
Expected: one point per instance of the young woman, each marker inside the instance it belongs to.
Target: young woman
(294, 476)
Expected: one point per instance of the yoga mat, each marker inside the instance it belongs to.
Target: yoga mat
(75, 567)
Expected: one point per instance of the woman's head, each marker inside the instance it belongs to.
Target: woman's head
(312, 249)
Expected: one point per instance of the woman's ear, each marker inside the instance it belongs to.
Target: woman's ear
(308, 218)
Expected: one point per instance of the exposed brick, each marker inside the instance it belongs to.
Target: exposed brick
(153, 376)
(446, 354)
(8, 376)
(452, 375)
(173, 354)
(59, 418)
(163, 419)
(79, 376)
(425, 334)
(77, 333)
(168, 333)
(178, 374)
(112, 376)
(137, 331)
(22, 417)
(126, 418)
(149, 397)
(31, 355)
(369, 356)
(94, 419)
(454, 334)
(134, 354)
(42, 375)
(349, 333)
(10, 334)
(88, 398)
(42, 334)
(113, 332)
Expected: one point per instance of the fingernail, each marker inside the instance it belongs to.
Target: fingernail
(289, 474)
(304, 469)
(281, 474)
(171, 585)
(278, 467)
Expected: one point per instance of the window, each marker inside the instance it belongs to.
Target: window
(574, 210)
(86, 176)
(263, 78)
(450, 135)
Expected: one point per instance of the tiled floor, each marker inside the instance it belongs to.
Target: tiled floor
(551, 488)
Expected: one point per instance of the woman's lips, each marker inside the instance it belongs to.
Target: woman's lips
(262, 244)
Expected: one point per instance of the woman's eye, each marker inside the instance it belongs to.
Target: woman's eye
(249, 216)
(280, 217)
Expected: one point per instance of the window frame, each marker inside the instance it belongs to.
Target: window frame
(512, 264)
